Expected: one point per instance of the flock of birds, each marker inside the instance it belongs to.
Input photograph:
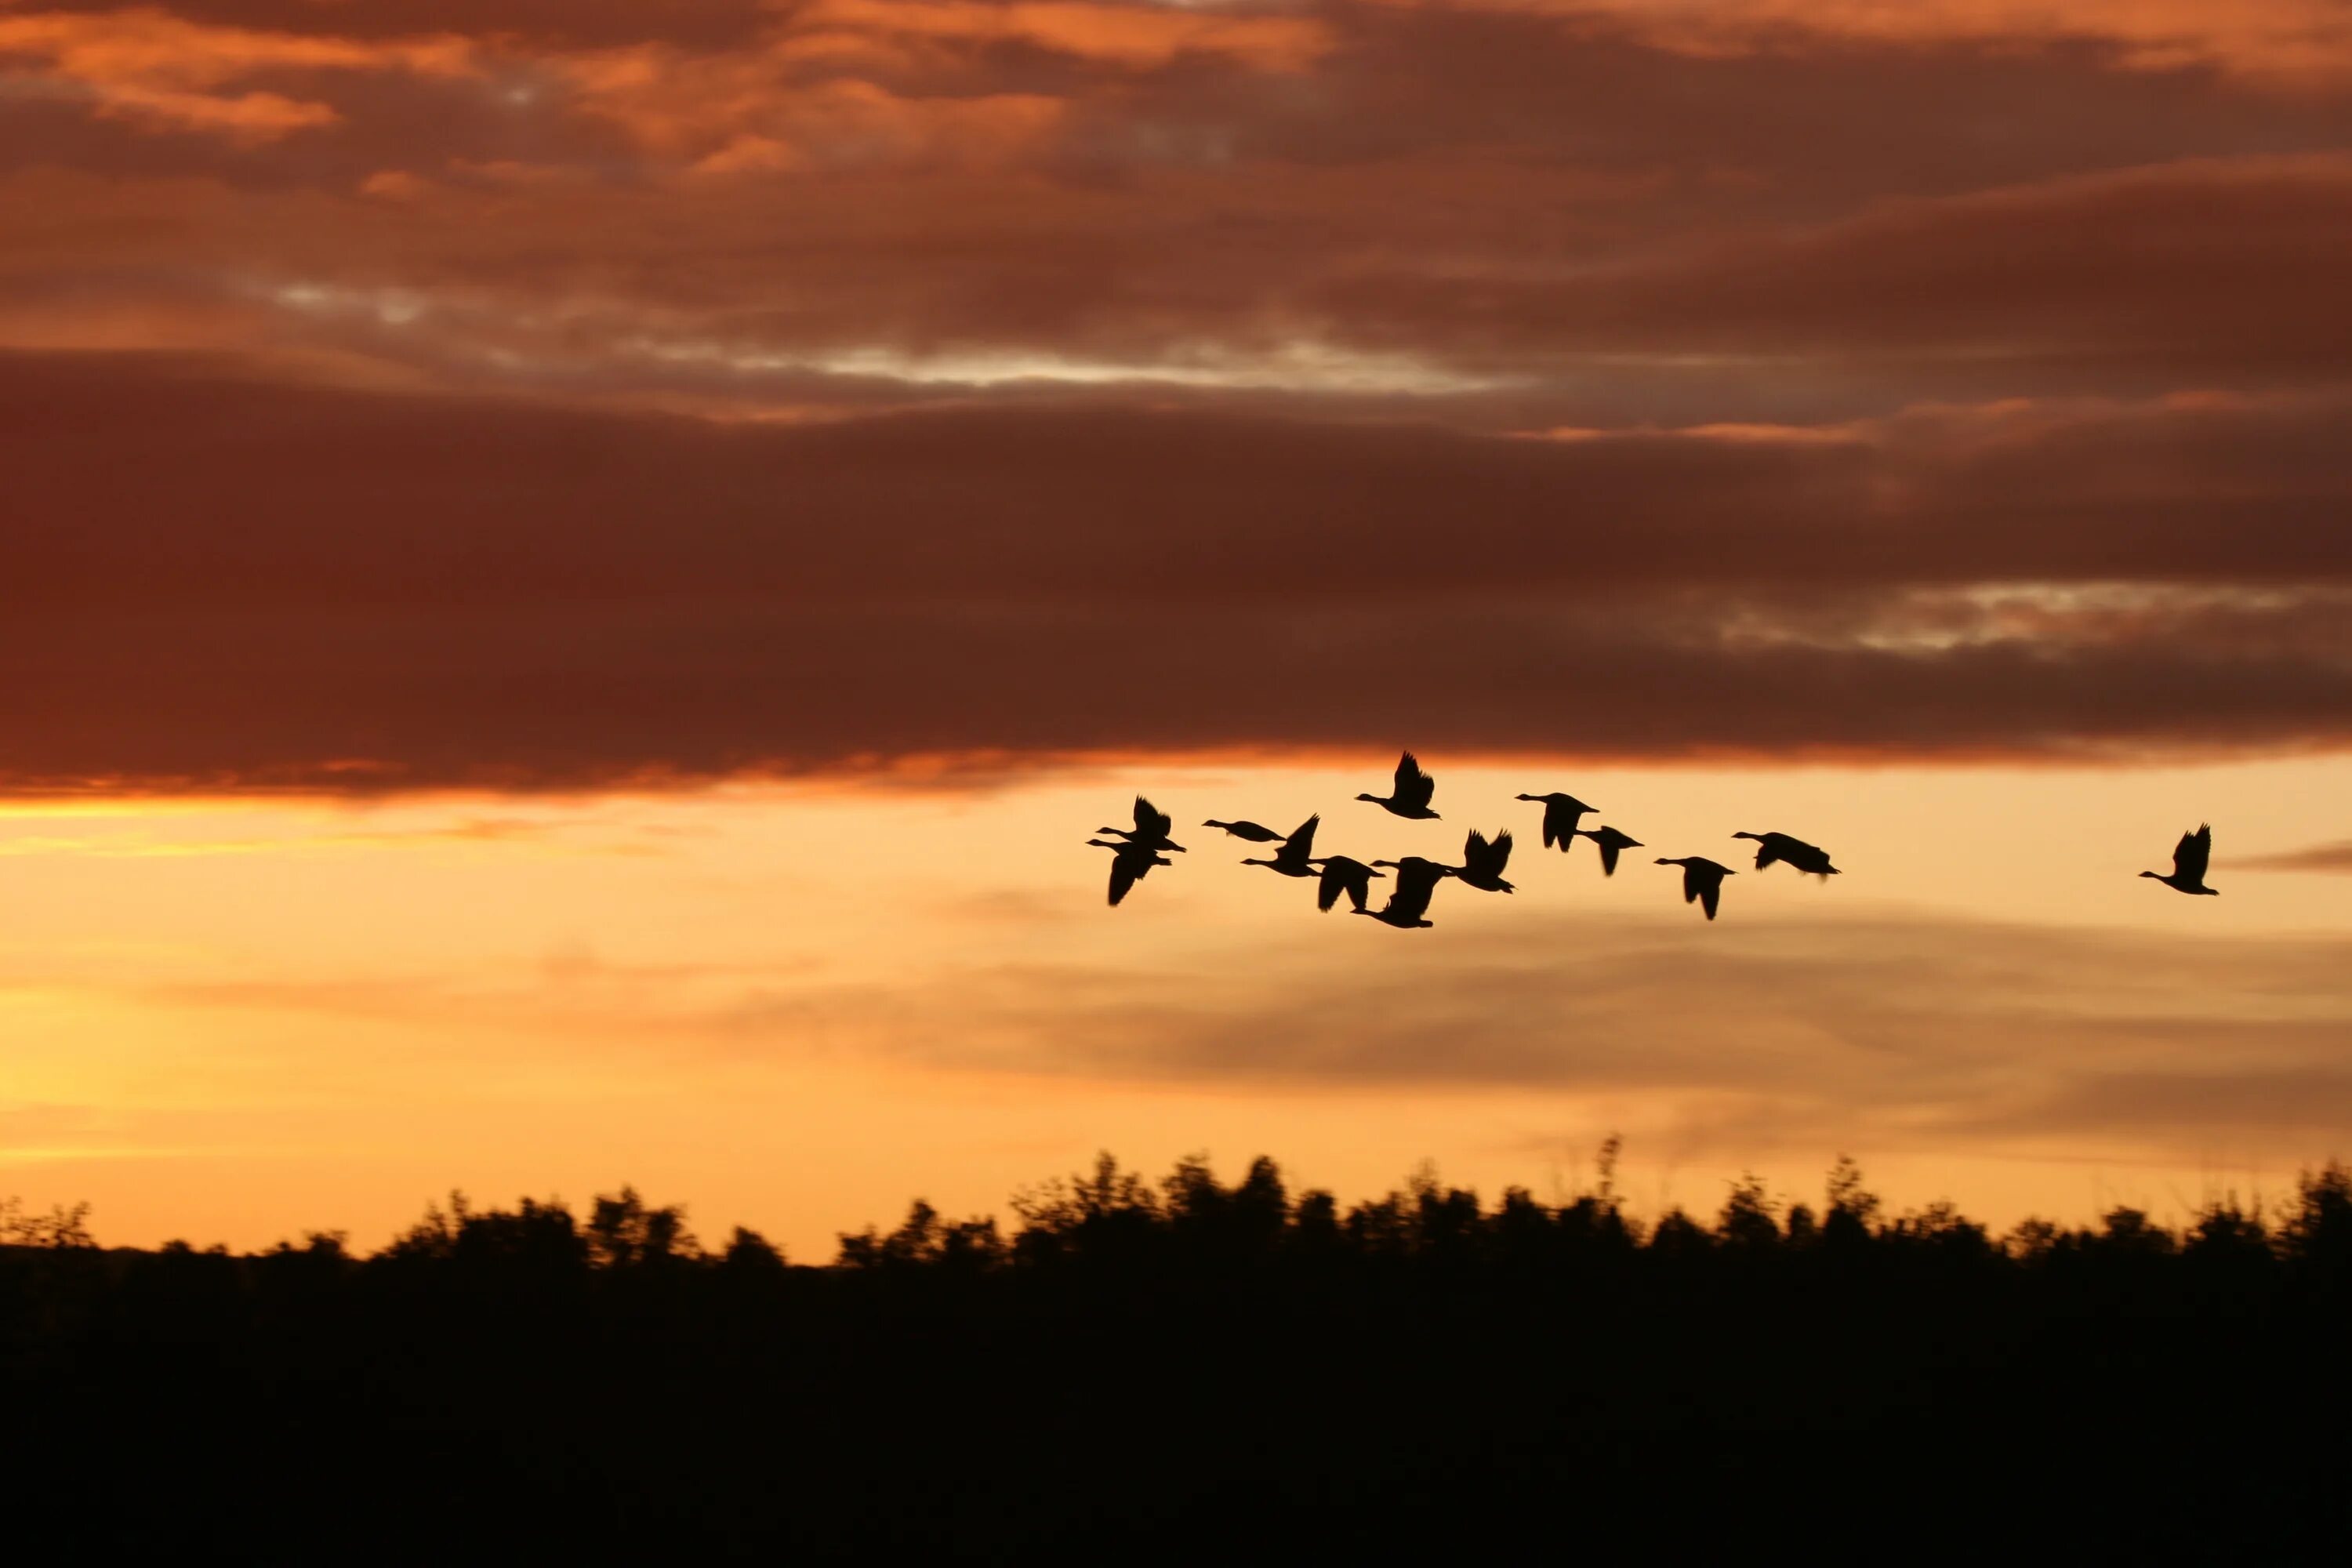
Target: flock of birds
(1136, 850)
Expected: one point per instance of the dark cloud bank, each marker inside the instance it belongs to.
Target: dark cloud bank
(1099, 379)
(220, 582)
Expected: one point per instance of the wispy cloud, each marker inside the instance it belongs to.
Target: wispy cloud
(2317, 857)
(1945, 1033)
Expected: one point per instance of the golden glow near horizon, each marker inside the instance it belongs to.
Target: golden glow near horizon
(799, 1008)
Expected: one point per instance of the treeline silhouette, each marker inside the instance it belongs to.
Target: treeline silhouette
(1160, 1367)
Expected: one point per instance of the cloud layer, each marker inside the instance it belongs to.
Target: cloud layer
(548, 395)
(1949, 1035)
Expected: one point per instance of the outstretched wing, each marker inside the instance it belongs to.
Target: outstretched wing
(1414, 787)
(1124, 869)
(1341, 875)
(1768, 850)
(2196, 851)
(1485, 858)
(1477, 855)
(1710, 890)
(1555, 822)
(1301, 842)
(1151, 824)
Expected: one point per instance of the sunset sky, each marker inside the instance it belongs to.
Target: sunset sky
(577, 572)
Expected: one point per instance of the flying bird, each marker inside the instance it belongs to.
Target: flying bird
(1416, 879)
(1702, 880)
(1611, 842)
(2189, 858)
(1295, 858)
(1482, 862)
(1410, 797)
(1341, 875)
(1129, 864)
(1256, 833)
(1811, 858)
(1151, 825)
(1561, 814)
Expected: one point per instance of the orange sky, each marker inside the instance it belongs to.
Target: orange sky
(579, 569)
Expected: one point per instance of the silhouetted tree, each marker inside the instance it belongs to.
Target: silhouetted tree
(749, 1252)
(60, 1228)
(622, 1233)
(608, 1386)
(1853, 1208)
(1747, 1220)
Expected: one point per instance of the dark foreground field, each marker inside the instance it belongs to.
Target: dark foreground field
(1183, 1370)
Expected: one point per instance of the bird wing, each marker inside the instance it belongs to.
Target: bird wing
(1124, 869)
(1334, 882)
(1609, 847)
(1767, 851)
(1477, 855)
(1804, 857)
(1150, 821)
(1708, 891)
(1301, 842)
(1551, 824)
(1484, 857)
(1414, 787)
(2195, 850)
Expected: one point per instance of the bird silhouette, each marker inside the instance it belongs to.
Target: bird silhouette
(1151, 825)
(1483, 861)
(1256, 833)
(1295, 858)
(1410, 795)
(1702, 880)
(1416, 880)
(2189, 858)
(1561, 814)
(1811, 858)
(1341, 875)
(1611, 841)
(1129, 864)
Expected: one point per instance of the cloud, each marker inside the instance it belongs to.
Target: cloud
(946, 266)
(2288, 40)
(2335, 857)
(151, 66)
(1961, 1035)
(490, 604)
(1511, 220)
(1074, 378)
(1736, 1039)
